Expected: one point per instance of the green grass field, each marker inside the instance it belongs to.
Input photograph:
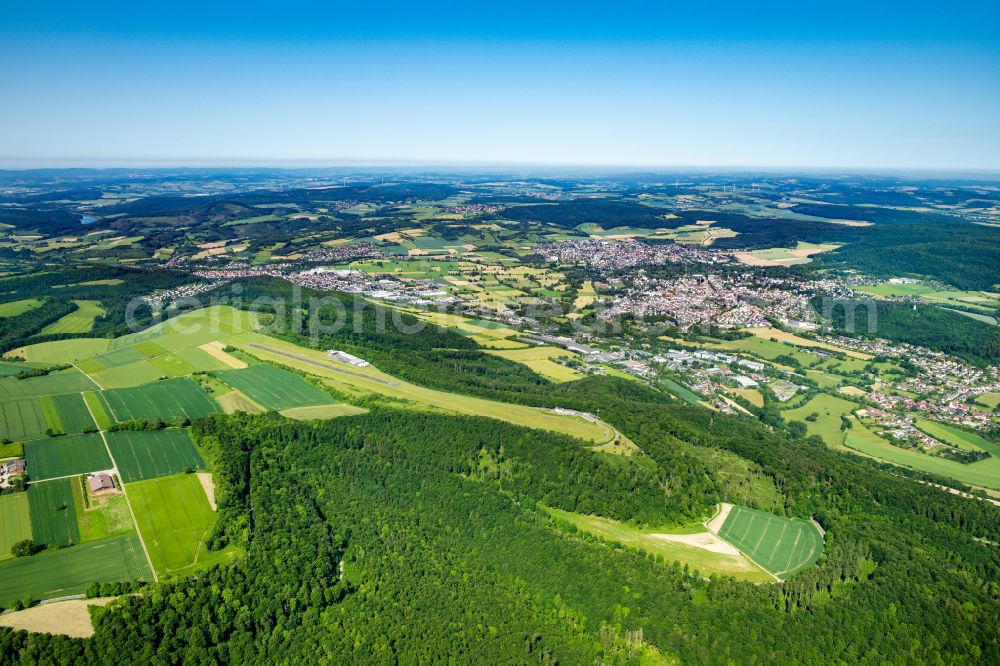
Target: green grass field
(539, 360)
(169, 399)
(887, 290)
(985, 473)
(62, 456)
(80, 320)
(680, 391)
(102, 516)
(783, 546)
(66, 413)
(126, 376)
(15, 308)
(174, 518)
(53, 516)
(827, 424)
(991, 400)
(57, 383)
(22, 419)
(371, 381)
(63, 351)
(147, 455)
(273, 388)
(705, 562)
(962, 439)
(62, 572)
(15, 521)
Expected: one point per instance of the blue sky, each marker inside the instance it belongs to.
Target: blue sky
(846, 84)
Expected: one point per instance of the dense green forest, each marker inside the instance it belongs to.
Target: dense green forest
(923, 325)
(446, 555)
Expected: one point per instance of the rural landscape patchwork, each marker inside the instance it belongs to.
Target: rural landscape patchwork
(306, 405)
(556, 333)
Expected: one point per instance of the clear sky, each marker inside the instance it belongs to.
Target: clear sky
(844, 84)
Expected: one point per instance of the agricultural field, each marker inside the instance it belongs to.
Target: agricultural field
(984, 473)
(890, 290)
(67, 571)
(957, 437)
(782, 546)
(234, 401)
(15, 308)
(63, 456)
(15, 521)
(126, 376)
(174, 518)
(361, 382)
(696, 547)
(273, 388)
(66, 413)
(62, 351)
(57, 383)
(680, 391)
(80, 320)
(170, 399)
(53, 513)
(323, 411)
(990, 400)
(827, 424)
(540, 360)
(22, 419)
(142, 455)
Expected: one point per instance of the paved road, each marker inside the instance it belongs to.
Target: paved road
(325, 366)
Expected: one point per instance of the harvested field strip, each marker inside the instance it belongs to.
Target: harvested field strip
(15, 521)
(67, 571)
(67, 618)
(146, 455)
(783, 546)
(170, 399)
(63, 456)
(53, 516)
(273, 388)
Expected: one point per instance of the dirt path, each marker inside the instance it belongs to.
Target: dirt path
(215, 349)
(703, 540)
(719, 519)
(205, 478)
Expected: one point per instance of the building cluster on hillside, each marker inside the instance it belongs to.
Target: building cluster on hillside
(164, 297)
(945, 384)
(474, 209)
(738, 301)
(614, 255)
